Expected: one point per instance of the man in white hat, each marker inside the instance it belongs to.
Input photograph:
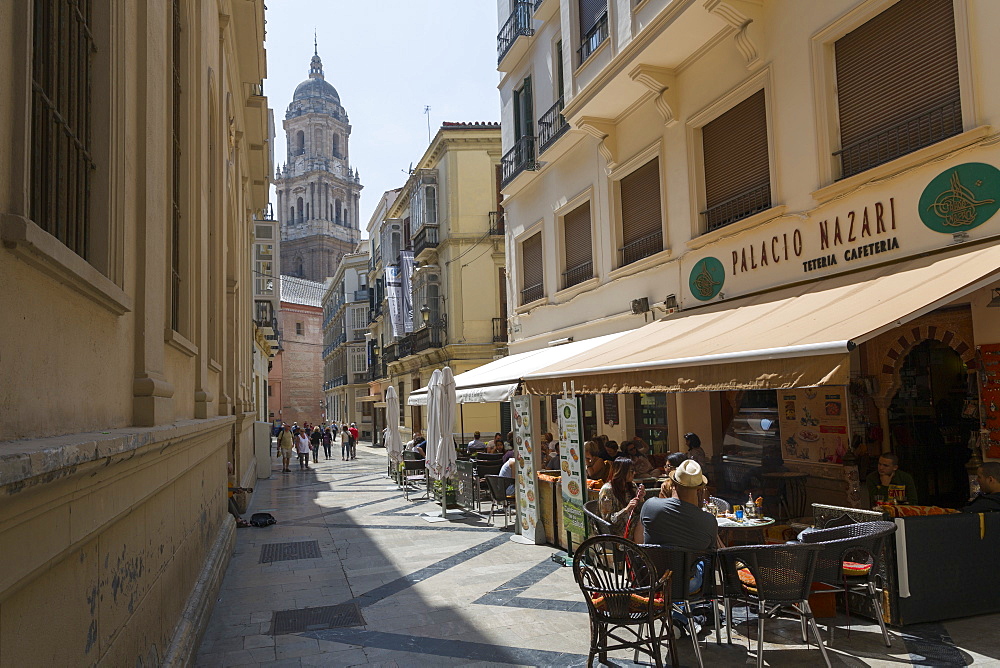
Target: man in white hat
(677, 521)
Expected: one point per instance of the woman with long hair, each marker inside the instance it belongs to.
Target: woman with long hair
(620, 500)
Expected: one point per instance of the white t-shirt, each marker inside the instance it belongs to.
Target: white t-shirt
(302, 443)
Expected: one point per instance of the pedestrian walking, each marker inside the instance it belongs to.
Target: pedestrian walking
(327, 443)
(285, 446)
(353, 431)
(315, 438)
(345, 442)
(302, 446)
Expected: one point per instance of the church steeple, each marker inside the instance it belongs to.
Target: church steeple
(316, 64)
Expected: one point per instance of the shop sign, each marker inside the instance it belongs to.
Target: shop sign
(526, 484)
(813, 424)
(707, 278)
(571, 456)
(961, 198)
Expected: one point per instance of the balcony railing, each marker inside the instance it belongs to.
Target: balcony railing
(338, 381)
(374, 368)
(340, 340)
(578, 274)
(551, 126)
(518, 24)
(497, 225)
(377, 257)
(431, 336)
(594, 38)
(914, 133)
(359, 377)
(531, 293)
(753, 201)
(640, 248)
(391, 353)
(519, 158)
(426, 237)
(499, 330)
(263, 312)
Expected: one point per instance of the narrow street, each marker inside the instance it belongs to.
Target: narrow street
(401, 591)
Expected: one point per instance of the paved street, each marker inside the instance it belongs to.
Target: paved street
(460, 593)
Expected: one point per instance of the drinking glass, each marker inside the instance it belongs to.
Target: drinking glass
(738, 511)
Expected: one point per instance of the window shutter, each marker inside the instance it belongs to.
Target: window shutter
(590, 12)
(640, 198)
(735, 149)
(576, 234)
(900, 65)
(531, 258)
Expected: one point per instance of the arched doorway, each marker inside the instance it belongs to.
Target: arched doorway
(927, 430)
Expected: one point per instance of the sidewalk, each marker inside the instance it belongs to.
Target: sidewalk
(351, 575)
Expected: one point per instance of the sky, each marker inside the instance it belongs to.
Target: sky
(388, 59)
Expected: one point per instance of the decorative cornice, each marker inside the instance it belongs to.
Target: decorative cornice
(739, 22)
(603, 130)
(658, 80)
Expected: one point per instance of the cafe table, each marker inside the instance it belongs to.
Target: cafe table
(747, 532)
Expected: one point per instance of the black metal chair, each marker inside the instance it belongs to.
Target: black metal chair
(682, 564)
(497, 487)
(776, 579)
(414, 473)
(488, 456)
(597, 525)
(409, 455)
(861, 543)
(481, 470)
(628, 599)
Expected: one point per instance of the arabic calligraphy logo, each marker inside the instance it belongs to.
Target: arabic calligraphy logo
(961, 198)
(707, 278)
(957, 206)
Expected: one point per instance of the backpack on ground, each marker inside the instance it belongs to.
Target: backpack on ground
(262, 520)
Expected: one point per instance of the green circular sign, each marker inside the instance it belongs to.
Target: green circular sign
(961, 198)
(707, 278)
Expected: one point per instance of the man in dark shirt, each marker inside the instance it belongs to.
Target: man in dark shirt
(988, 499)
(678, 521)
(889, 484)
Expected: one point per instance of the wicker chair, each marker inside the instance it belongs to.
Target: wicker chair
(723, 505)
(628, 599)
(862, 543)
(597, 525)
(779, 583)
(414, 473)
(497, 488)
(682, 562)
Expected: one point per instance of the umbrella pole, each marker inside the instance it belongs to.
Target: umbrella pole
(461, 418)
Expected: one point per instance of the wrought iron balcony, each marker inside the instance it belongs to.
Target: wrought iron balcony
(519, 158)
(499, 330)
(431, 336)
(551, 126)
(752, 201)
(263, 312)
(426, 237)
(578, 274)
(594, 38)
(518, 24)
(640, 248)
(338, 381)
(532, 292)
(497, 223)
(914, 133)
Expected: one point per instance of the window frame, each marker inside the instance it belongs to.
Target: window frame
(625, 168)
(528, 234)
(587, 196)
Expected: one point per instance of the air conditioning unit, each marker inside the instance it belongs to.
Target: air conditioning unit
(670, 304)
(640, 305)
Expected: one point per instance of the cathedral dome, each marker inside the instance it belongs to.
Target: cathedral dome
(316, 87)
(315, 94)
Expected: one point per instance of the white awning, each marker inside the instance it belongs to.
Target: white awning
(498, 380)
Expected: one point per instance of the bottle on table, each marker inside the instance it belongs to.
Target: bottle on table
(750, 508)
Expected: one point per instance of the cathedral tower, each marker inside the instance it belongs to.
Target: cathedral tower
(318, 191)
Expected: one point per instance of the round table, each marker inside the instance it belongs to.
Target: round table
(791, 492)
(739, 533)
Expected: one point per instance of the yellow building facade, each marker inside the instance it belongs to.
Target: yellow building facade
(136, 154)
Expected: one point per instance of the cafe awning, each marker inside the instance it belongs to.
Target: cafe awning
(799, 336)
(498, 380)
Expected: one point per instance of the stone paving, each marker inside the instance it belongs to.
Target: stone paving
(460, 593)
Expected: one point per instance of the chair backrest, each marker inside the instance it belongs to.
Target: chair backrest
(498, 487)
(861, 542)
(781, 573)
(409, 455)
(721, 504)
(681, 563)
(414, 465)
(488, 468)
(617, 579)
(489, 456)
(829, 516)
(598, 525)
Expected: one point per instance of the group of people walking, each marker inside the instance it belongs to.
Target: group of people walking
(308, 439)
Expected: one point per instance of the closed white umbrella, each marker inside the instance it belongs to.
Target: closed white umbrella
(433, 433)
(393, 441)
(441, 457)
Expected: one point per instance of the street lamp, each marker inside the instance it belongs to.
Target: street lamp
(425, 313)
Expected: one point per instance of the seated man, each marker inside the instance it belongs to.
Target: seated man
(476, 445)
(988, 499)
(889, 484)
(508, 470)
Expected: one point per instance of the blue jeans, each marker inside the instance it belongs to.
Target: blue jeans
(694, 585)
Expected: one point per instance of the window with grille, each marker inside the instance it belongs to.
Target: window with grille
(62, 150)
(577, 242)
(737, 168)
(532, 263)
(897, 84)
(642, 218)
(593, 26)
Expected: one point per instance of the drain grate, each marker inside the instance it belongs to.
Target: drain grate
(316, 619)
(308, 549)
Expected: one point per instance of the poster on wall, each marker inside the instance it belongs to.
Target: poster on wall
(526, 485)
(989, 394)
(572, 478)
(813, 424)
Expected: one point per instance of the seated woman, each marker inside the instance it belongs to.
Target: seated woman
(417, 444)
(674, 460)
(640, 463)
(620, 501)
(597, 467)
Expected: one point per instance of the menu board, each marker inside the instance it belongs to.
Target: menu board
(571, 456)
(813, 424)
(526, 486)
(610, 402)
(989, 394)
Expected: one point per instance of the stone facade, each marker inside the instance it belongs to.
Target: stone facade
(318, 191)
(297, 375)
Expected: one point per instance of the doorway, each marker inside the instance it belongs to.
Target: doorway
(926, 428)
